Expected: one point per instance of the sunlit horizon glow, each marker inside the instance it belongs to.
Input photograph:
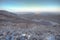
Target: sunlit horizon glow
(33, 9)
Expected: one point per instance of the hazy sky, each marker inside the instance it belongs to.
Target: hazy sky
(29, 5)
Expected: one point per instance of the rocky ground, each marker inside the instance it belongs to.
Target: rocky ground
(36, 32)
(13, 27)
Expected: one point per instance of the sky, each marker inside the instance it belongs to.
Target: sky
(30, 5)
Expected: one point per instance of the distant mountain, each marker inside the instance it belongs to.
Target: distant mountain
(55, 17)
(9, 16)
(6, 13)
(6, 16)
(28, 17)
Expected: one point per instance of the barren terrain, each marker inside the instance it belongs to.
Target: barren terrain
(38, 26)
